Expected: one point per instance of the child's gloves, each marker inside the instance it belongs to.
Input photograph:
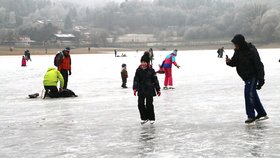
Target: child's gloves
(134, 92)
(158, 93)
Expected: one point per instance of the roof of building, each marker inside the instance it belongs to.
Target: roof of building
(64, 35)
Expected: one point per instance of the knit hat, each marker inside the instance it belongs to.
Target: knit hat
(145, 57)
(123, 65)
(238, 39)
(175, 52)
(67, 48)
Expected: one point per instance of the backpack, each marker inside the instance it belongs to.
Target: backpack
(58, 59)
(67, 93)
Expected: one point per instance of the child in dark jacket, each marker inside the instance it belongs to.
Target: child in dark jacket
(124, 76)
(146, 85)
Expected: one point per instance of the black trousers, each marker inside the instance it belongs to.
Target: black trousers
(146, 110)
(124, 80)
(53, 91)
(64, 73)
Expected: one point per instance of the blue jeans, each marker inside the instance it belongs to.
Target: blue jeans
(252, 100)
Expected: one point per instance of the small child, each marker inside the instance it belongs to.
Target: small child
(146, 85)
(124, 76)
(23, 61)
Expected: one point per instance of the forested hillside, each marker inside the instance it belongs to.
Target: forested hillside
(187, 19)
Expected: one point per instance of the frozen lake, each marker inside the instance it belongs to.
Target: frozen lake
(203, 117)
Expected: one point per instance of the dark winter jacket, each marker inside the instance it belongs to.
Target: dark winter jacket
(146, 82)
(248, 63)
(124, 74)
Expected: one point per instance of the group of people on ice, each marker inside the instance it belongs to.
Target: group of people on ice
(248, 64)
(25, 57)
(63, 62)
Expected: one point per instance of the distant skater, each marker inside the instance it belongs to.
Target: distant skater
(23, 61)
(27, 55)
(146, 86)
(124, 76)
(167, 65)
(115, 52)
(220, 52)
(148, 55)
(249, 67)
(151, 52)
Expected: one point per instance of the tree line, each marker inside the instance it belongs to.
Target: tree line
(191, 20)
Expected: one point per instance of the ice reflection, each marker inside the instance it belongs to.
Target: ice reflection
(147, 139)
(256, 139)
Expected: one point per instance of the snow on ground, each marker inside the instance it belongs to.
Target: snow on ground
(203, 117)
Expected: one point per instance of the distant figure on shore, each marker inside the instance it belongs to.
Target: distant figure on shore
(124, 76)
(220, 52)
(23, 61)
(89, 49)
(11, 49)
(27, 55)
(115, 52)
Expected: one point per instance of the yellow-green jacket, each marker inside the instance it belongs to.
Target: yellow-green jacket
(52, 76)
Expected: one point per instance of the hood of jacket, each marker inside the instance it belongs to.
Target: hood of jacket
(51, 68)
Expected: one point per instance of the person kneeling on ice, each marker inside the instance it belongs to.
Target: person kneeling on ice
(51, 78)
(167, 65)
(146, 85)
(249, 67)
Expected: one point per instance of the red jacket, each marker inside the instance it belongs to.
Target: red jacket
(65, 64)
(23, 61)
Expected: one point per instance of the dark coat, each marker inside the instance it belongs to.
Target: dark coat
(248, 63)
(124, 74)
(146, 82)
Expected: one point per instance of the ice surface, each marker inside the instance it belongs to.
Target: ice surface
(203, 117)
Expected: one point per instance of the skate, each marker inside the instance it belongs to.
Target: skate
(143, 122)
(152, 122)
(165, 88)
(261, 118)
(250, 121)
